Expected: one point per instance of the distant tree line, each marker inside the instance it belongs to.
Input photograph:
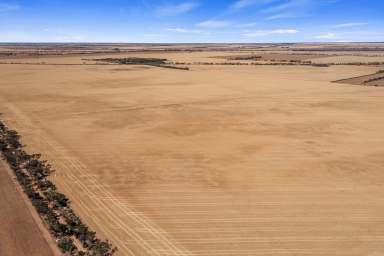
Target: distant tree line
(135, 61)
(162, 63)
(272, 63)
(244, 58)
(54, 207)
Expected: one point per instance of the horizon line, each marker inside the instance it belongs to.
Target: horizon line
(174, 43)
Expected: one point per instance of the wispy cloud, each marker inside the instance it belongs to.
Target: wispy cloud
(271, 32)
(240, 4)
(248, 25)
(283, 16)
(8, 7)
(288, 9)
(176, 9)
(214, 24)
(294, 8)
(184, 30)
(352, 24)
(326, 36)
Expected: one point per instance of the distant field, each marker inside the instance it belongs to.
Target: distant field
(19, 233)
(215, 161)
(349, 59)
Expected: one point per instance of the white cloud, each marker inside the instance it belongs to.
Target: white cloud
(282, 16)
(352, 24)
(294, 8)
(271, 32)
(177, 9)
(214, 24)
(326, 36)
(184, 30)
(9, 7)
(246, 3)
(248, 25)
(289, 9)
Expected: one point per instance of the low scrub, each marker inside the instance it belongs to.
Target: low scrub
(244, 58)
(162, 63)
(135, 61)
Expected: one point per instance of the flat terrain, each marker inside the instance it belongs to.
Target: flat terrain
(215, 161)
(19, 233)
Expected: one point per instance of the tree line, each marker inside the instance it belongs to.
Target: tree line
(156, 62)
(53, 207)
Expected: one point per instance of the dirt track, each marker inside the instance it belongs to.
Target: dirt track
(20, 235)
(215, 161)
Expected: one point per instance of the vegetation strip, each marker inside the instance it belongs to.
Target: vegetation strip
(73, 237)
(162, 63)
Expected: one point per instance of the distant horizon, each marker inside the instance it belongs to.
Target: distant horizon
(191, 21)
(182, 43)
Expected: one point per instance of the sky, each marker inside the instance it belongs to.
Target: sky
(191, 21)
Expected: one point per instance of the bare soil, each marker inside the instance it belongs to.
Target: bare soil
(21, 231)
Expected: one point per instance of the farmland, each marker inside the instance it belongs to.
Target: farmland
(215, 160)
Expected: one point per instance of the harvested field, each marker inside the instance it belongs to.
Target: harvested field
(215, 161)
(349, 59)
(20, 235)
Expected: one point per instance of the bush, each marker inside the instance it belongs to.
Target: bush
(66, 245)
(41, 206)
(59, 199)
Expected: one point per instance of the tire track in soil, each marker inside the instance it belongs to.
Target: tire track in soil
(150, 239)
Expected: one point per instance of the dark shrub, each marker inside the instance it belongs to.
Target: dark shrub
(66, 245)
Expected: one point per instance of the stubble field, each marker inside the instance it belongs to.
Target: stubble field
(218, 160)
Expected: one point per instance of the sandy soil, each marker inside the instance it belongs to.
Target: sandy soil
(212, 161)
(21, 231)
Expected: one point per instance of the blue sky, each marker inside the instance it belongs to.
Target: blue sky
(178, 21)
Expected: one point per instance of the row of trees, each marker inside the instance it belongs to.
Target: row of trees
(283, 63)
(369, 63)
(244, 58)
(135, 61)
(162, 63)
(53, 206)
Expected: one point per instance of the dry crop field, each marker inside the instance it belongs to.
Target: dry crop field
(214, 161)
